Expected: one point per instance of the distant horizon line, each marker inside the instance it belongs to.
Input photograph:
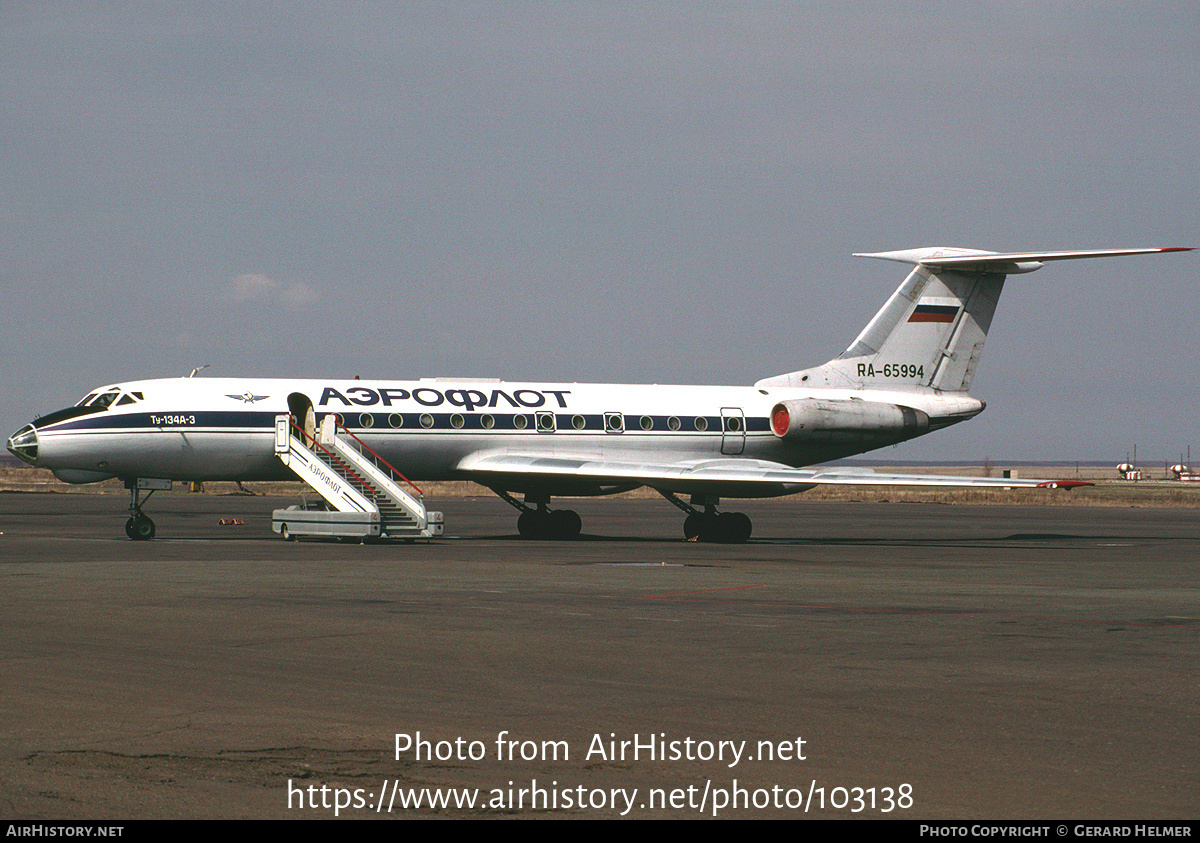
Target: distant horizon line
(993, 461)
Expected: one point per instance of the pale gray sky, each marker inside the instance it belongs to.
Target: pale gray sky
(645, 192)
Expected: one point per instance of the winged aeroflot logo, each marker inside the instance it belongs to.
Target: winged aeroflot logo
(247, 397)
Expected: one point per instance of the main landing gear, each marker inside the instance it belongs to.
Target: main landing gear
(710, 525)
(542, 522)
(139, 527)
(539, 521)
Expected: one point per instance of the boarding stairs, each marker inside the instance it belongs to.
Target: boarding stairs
(353, 478)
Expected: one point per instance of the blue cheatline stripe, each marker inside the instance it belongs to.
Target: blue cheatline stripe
(167, 421)
(394, 422)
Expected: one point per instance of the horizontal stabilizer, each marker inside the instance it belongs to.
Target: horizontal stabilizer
(1008, 263)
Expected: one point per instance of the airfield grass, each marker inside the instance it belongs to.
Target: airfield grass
(1106, 492)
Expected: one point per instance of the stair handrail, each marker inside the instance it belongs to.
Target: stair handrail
(313, 440)
(337, 420)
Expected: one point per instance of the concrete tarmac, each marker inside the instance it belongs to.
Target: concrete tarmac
(927, 661)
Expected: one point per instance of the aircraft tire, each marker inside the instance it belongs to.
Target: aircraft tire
(143, 528)
(565, 524)
(710, 529)
(726, 528)
(693, 525)
(283, 531)
(129, 528)
(530, 524)
(561, 524)
(737, 527)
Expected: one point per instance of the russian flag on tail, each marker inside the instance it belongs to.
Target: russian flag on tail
(934, 313)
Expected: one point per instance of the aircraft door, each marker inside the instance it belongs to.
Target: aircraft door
(733, 431)
(301, 408)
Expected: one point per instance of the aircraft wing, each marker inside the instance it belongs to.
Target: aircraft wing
(722, 477)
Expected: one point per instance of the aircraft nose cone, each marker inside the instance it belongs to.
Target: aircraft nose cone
(24, 444)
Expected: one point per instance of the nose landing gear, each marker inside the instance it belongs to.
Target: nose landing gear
(140, 527)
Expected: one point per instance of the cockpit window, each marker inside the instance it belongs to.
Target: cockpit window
(109, 398)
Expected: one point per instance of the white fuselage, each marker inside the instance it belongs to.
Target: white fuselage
(430, 429)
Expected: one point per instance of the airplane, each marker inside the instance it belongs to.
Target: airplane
(908, 373)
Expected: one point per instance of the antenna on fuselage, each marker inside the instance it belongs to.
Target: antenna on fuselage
(198, 368)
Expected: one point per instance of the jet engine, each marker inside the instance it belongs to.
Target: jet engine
(813, 418)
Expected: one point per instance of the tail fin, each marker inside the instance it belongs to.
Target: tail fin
(930, 333)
